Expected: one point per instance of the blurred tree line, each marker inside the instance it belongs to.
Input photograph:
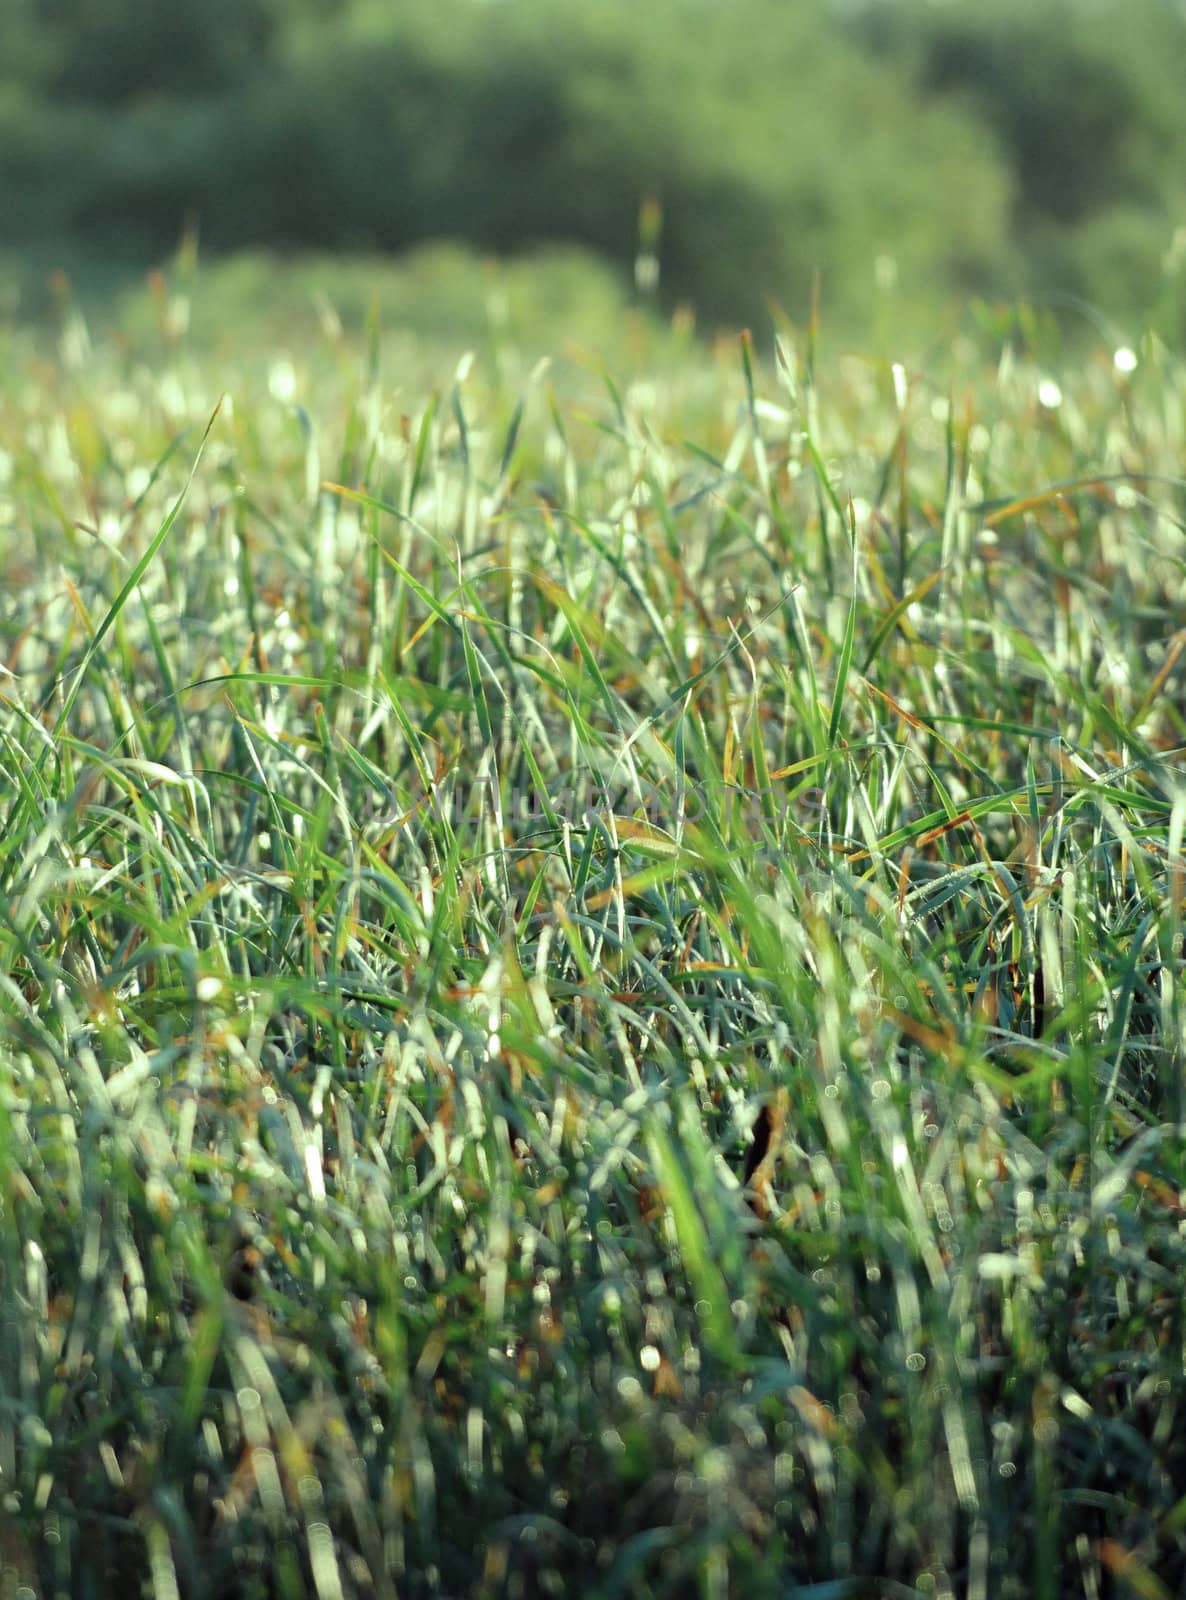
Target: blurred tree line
(942, 148)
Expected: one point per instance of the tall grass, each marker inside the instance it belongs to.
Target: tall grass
(590, 986)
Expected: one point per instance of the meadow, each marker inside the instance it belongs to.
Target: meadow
(590, 962)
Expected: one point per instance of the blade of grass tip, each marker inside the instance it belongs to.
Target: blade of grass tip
(902, 461)
(1031, 787)
(704, 1277)
(757, 443)
(763, 782)
(540, 795)
(201, 1352)
(824, 480)
(353, 435)
(953, 504)
(799, 643)
(360, 497)
(892, 617)
(683, 689)
(22, 772)
(161, 658)
(616, 398)
(423, 439)
(248, 592)
(580, 877)
(747, 367)
(492, 626)
(576, 621)
(446, 947)
(893, 458)
(377, 625)
(530, 901)
(462, 428)
(671, 538)
(477, 689)
(623, 572)
(509, 444)
(1129, 971)
(171, 450)
(846, 649)
(130, 584)
(784, 358)
(936, 823)
(927, 725)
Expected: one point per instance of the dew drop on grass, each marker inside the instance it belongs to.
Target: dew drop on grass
(282, 382)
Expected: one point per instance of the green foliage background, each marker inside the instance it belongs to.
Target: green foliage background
(911, 152)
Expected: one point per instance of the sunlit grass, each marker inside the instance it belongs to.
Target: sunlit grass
(590, 991)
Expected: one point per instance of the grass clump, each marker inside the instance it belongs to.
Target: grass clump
(589, 996)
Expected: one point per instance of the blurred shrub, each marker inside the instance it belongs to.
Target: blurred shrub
(111, 51)
(918, 144)
(1083, 100)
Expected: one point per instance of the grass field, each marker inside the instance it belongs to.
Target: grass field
(590, 996)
